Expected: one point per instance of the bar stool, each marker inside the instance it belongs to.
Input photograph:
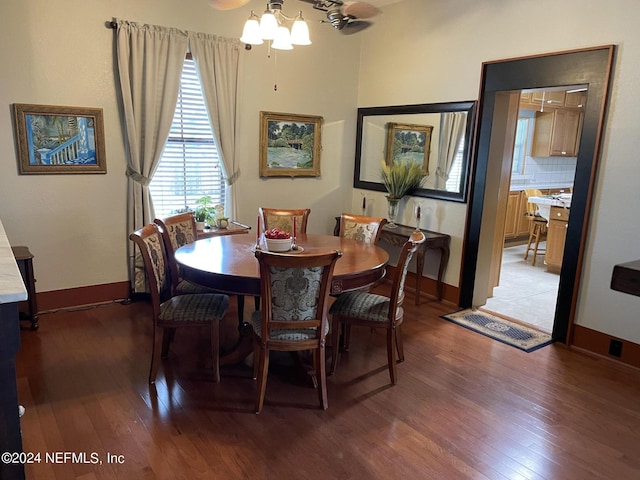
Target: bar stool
(537, 227)
(24, 259)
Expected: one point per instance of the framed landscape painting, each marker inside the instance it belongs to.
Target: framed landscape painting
(407, 142)
(289, 145)
(54, 139)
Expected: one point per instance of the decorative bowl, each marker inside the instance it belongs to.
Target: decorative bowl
(278, 244)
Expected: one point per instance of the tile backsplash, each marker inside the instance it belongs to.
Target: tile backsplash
(546, 172)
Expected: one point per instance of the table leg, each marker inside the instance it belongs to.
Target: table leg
(444, 259)
(419, 270)
(244, 345)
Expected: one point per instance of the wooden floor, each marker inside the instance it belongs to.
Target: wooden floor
(465, 406)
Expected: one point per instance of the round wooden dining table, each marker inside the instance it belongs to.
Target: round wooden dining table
(228, 263)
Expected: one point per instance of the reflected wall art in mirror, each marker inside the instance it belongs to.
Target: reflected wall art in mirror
(450, 126)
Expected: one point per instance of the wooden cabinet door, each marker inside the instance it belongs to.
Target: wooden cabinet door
(565, 133)
(542, 130)
(575, 99)
(555, 99)
(522, 222)
(556, 235)
(510, 223)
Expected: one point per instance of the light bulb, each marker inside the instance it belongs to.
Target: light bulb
(300, 31)
(268, 26)
(251, 31)
(282, 40)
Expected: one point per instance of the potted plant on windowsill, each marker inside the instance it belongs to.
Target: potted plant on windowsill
(204, 212)
(399, 178)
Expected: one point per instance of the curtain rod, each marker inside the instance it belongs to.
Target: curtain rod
(111, 24)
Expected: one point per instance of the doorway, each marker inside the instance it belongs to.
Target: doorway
(543, 162)
(591, 67)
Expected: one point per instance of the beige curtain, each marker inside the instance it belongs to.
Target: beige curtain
(150, 60)
(218, 62)
(452, 127)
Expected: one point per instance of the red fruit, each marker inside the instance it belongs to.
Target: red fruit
(276, 233)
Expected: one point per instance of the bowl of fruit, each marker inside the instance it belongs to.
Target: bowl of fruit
(277, 240)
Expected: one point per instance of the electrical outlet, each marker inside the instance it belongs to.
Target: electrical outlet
(615, 348)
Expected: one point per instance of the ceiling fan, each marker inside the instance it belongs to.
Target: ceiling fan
(344, 16)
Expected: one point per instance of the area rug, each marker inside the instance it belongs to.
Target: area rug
(505, 331)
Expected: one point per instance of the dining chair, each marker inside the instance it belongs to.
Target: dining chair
(537, 226)
(283, 218)
(172, 311)
(178, 230)
(293, 312)
(376, 311)
(361, 228)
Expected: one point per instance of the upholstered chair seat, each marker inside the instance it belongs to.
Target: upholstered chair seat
(375, 311)
(294, 292)
(363, 305)
(171, 311)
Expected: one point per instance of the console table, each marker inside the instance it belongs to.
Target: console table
(438, 241)
(626, 278)
(435, 240)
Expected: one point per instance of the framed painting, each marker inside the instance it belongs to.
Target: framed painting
(53, 139)
(289, 145)
(407, 142)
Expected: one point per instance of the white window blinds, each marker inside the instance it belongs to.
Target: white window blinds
(189, 167)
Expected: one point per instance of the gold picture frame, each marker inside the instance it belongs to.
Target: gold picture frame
(409, 142)
(290, 145)
(55, 139)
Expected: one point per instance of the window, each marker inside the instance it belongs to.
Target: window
(453, 182)
(190, 167)
(522, 141)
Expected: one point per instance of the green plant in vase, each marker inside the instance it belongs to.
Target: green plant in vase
(205, 211)
(399, 178)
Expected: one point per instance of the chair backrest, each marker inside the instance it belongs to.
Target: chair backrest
(397, 285)
(294, 293)
(532, 208)
(149, 240)
(283, 218)
(361, 228)
(177, 230)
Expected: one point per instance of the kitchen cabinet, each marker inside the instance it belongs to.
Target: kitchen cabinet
(553, 99)
(557, 133)
(516, 222)
(575, 99)
(522, 229)
(511, 221)
(556, 235)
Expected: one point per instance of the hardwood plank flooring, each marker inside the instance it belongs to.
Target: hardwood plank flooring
(465, 407)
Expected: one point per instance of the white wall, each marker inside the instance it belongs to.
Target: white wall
(432, 51)
(61, 53)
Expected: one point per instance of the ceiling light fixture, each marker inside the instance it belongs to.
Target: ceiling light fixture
(270, 27)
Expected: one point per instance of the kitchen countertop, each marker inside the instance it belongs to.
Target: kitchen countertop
(542, 186)
(545, 202)
(12, 287)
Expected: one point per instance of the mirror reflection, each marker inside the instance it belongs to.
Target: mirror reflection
(446, 159)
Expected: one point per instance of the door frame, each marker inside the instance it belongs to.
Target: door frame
(591, 67)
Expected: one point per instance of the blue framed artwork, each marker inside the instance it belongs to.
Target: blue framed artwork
(54, 139)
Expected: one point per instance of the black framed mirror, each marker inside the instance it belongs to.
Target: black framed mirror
(447, 159)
